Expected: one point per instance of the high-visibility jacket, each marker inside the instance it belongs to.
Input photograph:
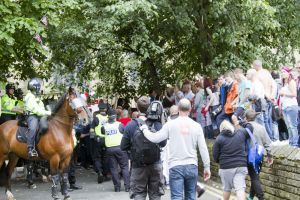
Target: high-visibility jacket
(20, 104)
(102, 121)
(7, 104)
(2, 88)
(34, 106)
(113, 136)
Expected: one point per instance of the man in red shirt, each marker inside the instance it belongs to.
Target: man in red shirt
(124, 117)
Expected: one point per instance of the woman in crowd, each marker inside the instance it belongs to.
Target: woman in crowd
(200, 107)
(289, 105)
(230, 152)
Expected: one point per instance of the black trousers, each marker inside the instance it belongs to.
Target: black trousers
(85, 152)
(6, 117)
(146, 180)
(71, 172)
(98, 152)
(116, 158)
(255, 189)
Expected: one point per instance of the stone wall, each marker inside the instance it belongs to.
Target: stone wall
(279, 181)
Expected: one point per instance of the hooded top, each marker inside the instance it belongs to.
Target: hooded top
(230, 149)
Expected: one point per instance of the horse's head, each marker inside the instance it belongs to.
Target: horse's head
(77, 107)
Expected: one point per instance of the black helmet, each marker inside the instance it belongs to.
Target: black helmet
(34, 85)
(9, 86)
(19, 94)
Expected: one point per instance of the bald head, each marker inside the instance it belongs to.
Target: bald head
(257, 65)
(184, 105)
(174, 110)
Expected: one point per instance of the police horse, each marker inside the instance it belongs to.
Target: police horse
(55, 145)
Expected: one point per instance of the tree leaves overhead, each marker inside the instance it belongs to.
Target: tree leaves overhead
(136, 45)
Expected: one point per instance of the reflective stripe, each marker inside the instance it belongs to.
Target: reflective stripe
(34, 105)
(113, 136)
(7, 104)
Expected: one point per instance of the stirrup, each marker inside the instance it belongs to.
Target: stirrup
(33, 153)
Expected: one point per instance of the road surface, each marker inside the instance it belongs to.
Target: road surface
(91, 190)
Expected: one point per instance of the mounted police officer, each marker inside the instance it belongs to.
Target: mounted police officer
(35, 109)
(8, 104)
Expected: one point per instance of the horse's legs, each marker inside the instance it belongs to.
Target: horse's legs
(54, 167)
(13, 160)
(64, 167)
(30, 167)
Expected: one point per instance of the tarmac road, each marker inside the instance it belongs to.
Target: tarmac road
(91, 190)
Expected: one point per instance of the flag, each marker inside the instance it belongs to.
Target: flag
(38, 38)
(44, 21)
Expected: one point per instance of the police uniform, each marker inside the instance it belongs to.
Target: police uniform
(98, 147)
(116, 156)
(35, 109)
(8, 103)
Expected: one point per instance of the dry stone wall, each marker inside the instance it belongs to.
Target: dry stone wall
(279, 181)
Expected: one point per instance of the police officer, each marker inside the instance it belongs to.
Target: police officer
(8, 102)
(98, 145)
(35, 109)
(112, 131)
(72, 167)
(19, 101)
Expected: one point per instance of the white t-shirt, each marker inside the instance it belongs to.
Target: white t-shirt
(190, 95)
(257, 89)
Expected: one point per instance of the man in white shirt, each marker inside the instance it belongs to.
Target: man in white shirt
(184, 136)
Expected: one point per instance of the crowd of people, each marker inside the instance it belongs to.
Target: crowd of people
(141, 145)
(275, 96)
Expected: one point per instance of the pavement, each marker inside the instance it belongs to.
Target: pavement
(91, 189)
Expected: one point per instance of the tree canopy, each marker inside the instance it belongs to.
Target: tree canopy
(135, 45)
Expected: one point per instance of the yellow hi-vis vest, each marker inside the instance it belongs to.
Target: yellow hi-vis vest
(7, 104)
(102, 121)
(113, 136)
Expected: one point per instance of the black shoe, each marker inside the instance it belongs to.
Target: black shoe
(117, 189)
(127, 189)
(200, 191)
(100, 178)
(75, 187)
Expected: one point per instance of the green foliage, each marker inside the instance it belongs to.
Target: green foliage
(134, 45)
(19, 23)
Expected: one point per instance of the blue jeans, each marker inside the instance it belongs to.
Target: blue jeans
(183, 181)
(290, 115)
(268, 119)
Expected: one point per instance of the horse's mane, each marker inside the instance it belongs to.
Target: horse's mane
(59, 104)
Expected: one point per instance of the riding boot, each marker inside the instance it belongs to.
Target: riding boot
(64, 185)
(55, 190)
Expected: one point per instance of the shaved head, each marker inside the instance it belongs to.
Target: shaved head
(184, 105)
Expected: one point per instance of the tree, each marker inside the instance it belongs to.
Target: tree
(157, 42)
(23, 35)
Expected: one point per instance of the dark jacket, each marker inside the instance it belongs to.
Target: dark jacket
(230, 149)
(129, 132)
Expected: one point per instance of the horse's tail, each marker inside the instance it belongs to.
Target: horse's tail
(3, 174)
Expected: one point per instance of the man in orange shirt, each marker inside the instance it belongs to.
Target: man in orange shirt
(232, 94)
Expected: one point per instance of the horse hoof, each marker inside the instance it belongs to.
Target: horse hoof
(45, 179)
(9, 196)
(32, 186)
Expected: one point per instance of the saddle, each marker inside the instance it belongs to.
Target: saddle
(23, 129)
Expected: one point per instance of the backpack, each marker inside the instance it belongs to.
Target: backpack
(255, 153)
(143, 151)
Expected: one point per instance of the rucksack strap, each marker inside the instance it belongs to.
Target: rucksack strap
(251, 136)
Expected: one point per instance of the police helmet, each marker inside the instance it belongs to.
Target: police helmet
(34, 85)
(9, 86)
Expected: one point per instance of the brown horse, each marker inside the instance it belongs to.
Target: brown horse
(56, 145)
